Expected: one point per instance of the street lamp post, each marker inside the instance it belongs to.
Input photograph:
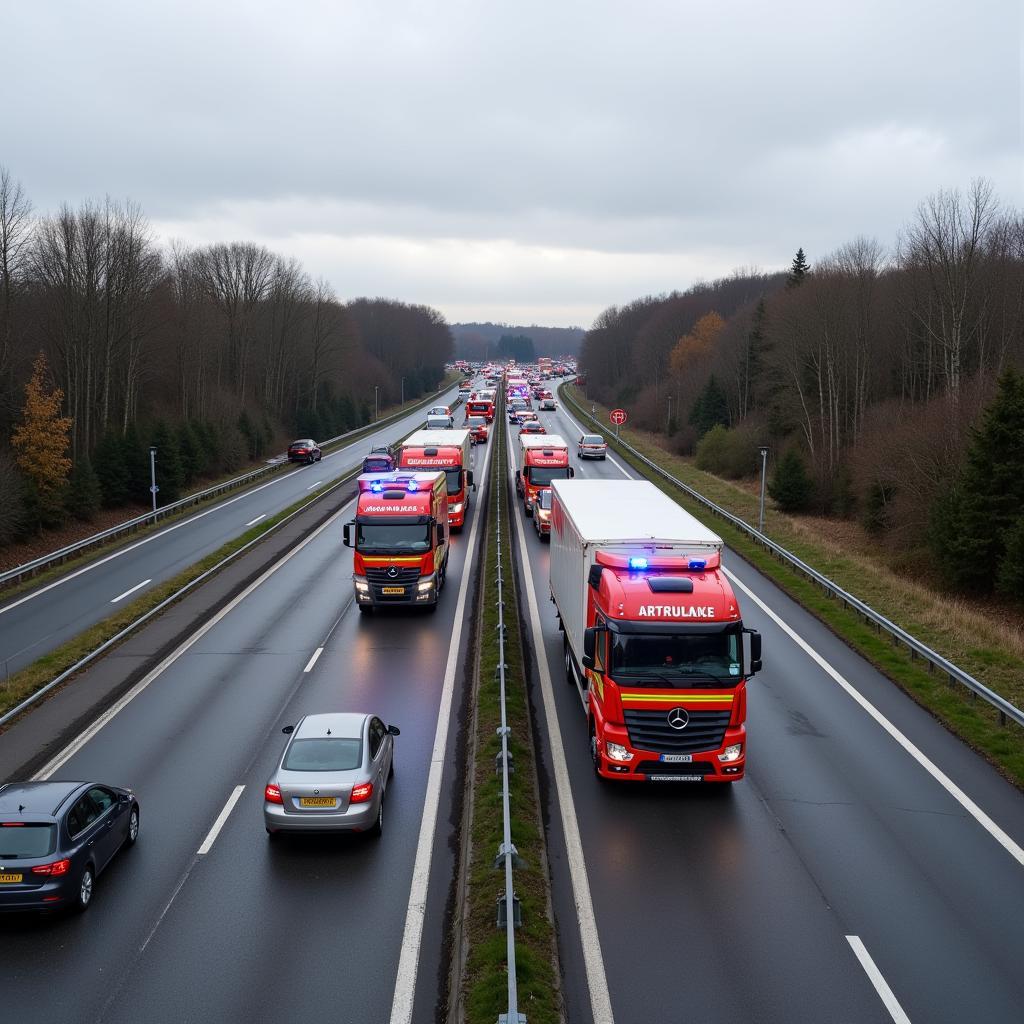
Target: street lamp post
(764, 464)
(403, 391)
(152, 477)
(376, 389)
(668, 418)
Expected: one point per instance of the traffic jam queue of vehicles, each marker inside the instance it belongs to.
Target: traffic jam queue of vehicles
(652, 629)
(542, 458)
(449, 451)
(400, 535)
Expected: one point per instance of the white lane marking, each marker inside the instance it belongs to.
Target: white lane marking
(253, 522)
(115, 709)
(219, 823)
(184, 522)
(317, 484)
(925, 762)
(312, 661)
(412, 935)
(131, 590)
(881, 985)
(593, 960)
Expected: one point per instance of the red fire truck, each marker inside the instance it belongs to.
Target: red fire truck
(652, 631)
(449, 451)
(480, 407)
(542, 458)
(400, 536)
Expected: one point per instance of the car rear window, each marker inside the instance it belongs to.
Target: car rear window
(593, 439)
(324, 755)
(31, 839)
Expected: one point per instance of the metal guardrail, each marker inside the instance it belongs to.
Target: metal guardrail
(71, 550)
(506, 852)
(165, 603)
(954, 673)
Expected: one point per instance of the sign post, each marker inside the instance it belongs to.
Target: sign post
(618, 417)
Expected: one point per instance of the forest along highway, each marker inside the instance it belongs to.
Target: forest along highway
(34, 623)
(841, 880)
(307, 928)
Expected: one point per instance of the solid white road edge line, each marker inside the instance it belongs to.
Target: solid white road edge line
(593, 960)
(253, 522)
(115, 709)
(312, 661)
(1001, 837)
(186, 522)
(138, 586)
(881, 985)
(412, 935)
(219, 823)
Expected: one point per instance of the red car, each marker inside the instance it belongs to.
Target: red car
(542, 513)
(477, 426)
(532, 427)
(306, 450)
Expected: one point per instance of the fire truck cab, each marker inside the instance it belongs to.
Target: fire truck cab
(542, 459)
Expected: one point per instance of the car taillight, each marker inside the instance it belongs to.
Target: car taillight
(361, 793)
(58, 867)
(272, 794)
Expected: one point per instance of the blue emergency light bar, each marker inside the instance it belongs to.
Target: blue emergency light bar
(638, 563)
(697, 564)
(376, 487)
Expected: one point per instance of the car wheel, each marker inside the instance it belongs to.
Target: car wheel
(377, 829)
(365, 609)
(391, 768)
(595, 757)
(570, 672)
(133, 826)
(83, 895)
(273, 836)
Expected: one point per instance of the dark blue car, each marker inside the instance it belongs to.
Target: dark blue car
(56, 838)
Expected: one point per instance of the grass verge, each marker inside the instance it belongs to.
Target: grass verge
(106, 547)
(484, 987)
(26, 681)
(980, 647)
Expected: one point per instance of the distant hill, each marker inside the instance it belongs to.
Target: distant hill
(480, 341)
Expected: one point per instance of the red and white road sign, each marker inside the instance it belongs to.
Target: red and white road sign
(618, 416)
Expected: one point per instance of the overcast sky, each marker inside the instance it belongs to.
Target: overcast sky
(526, 162)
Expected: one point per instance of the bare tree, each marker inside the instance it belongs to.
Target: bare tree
(15, 238)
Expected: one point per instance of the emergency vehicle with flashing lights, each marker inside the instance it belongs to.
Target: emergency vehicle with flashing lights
(652, 633)
(480, 406)
(449, 451)
(542, 459)
(401, 539)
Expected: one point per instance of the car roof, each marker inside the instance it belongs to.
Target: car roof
(35, 797)
(343, 724)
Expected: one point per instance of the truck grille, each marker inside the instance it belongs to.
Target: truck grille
(657, 768)
(378, 576)
(649, 730)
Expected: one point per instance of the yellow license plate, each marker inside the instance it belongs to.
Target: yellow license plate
(392, 590)
(317, 801)
(10, 878)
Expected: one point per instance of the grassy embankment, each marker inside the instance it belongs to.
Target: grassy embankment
(985, 646)
(485, 981)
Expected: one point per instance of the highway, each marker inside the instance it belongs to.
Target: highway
(36, 622)
(850, 876)
(200, 923)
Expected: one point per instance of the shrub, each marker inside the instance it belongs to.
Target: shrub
(791, 487)
(83, 496)
(729, 453)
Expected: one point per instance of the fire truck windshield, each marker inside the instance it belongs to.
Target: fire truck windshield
(541, 476)
(680, 660)
(393, 538)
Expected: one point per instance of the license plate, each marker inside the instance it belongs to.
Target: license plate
(10, 878)
(317, 801)
(676, 758)
(392, 590)
(676, 778)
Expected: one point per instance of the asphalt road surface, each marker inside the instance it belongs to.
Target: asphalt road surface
(846, 878)
(200, 924)
(34, 623)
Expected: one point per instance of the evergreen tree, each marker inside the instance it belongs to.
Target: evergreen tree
(41, 442)
(191, 453)
(791, 487)
(799, 270)
(83, 496)
(969, 525)
(711, 408)
(1010, 578)
(170, 476)
(136, 459)
(111, 469)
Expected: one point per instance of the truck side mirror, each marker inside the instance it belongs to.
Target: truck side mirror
(440, 533)
(517, 474)
(589, 646)
(469, 478)
(594, 576)
(288, 730)
(755, 651)
(572, 472)
(347, 534)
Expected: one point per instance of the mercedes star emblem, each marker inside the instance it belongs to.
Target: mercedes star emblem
(678, 718)
(392, 572)
(316, 792)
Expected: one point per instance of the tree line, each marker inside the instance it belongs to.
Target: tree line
(217, 354)
(870, 376)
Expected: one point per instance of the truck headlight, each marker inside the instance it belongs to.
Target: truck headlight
(456, 508)
(544, 513)
(617, 752)
(426, 584)
(362, 585)
(731, 752)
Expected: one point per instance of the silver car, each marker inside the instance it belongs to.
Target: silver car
(332, 776)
